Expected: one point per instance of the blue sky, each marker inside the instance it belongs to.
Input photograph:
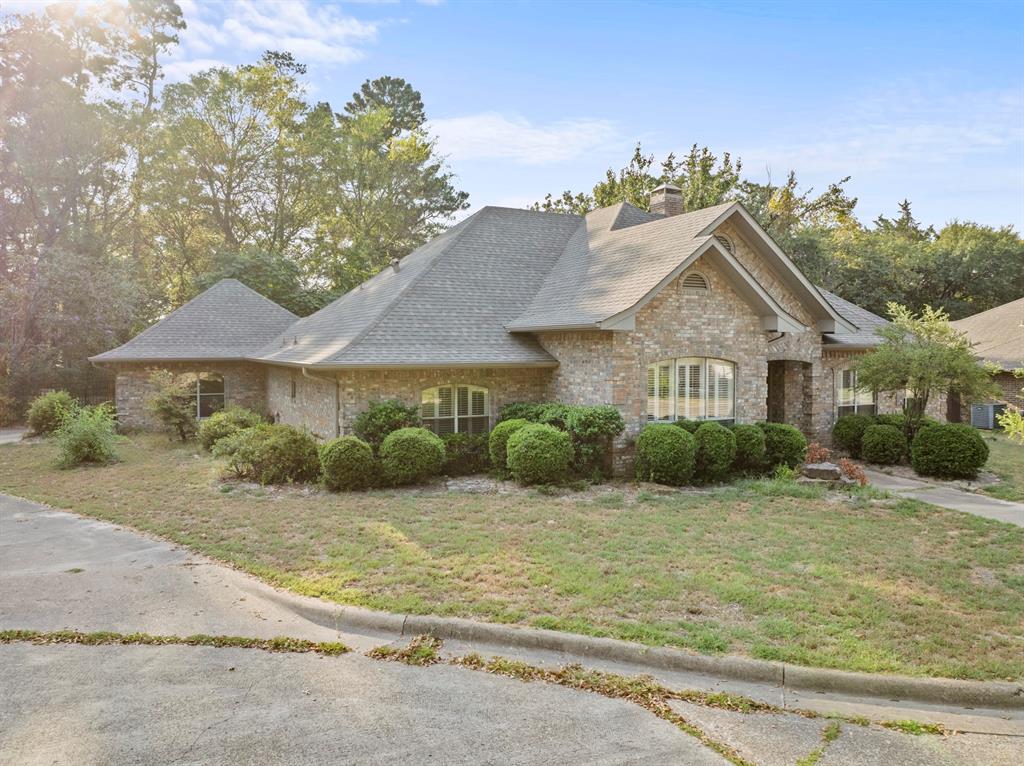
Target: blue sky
(923, 100)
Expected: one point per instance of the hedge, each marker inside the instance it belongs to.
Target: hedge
(716, 449)
(347, 463)
(465, 454)
(383, 418)
(539, 454)
(848, 432)
(226, 422)
(47, 412)
(271, 454)
(665, 454)
(410, 455)
(883, 445)
(948, 450)
(750, 449)
(783, 444)
(498, 441)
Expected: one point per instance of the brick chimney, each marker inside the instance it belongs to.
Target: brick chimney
(667, 200)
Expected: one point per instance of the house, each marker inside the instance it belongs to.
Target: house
(663, 314)
(998, 339)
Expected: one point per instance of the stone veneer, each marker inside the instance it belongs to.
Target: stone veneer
(243, 386)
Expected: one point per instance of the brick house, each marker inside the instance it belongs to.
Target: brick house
(663, 314)
(998, 339)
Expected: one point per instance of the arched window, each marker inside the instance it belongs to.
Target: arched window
(456, 409)
(209, 394)
(691, 388)
(695, 281)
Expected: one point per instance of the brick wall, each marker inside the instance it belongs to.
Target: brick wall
(244, 386)
(313, 406)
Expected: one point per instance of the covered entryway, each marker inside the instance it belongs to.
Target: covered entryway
(790, 393)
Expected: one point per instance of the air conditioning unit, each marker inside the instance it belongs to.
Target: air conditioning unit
(984, 415)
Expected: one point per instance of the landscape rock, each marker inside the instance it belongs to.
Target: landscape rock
(827, 471)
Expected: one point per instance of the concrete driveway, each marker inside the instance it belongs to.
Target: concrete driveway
(11, 435)
(78, 704)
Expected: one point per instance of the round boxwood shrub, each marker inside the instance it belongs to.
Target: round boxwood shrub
(47, 411)
(849, 431)
(497, 443)
(750, 452)
(948, 450)
(225, 423)
(883, 444)
(410, 455)
(271, 454)
(783, 444)
(688, 425)
(539, 454)
(716, 449)
(347, 463)
(665, 454)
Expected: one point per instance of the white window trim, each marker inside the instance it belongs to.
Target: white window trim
(664, 403)
(456, 415)
(859, 399)
(199, 394)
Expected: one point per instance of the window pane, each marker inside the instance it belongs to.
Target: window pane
(444, 402)
(721, 388)
(690, 404)
(428, 403)
(478, 402)
(209, 404)
(866, 409)
(211, 384)
(652, 407)
(462, 400)
(665, 391)
(473, 425)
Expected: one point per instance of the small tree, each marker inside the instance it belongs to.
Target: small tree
(925, 356)
(1012, 419)
(173, 403)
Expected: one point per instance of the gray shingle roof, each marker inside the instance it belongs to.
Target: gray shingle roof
(997, 334)
(448, 303)
(228, 321)
(866, 322)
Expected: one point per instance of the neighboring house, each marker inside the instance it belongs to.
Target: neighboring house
(998, 338)
(664, 315)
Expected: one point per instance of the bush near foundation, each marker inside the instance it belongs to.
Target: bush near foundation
(498, 441)
(347, 463)
(716, 449)
(410, 455)
(883, 445)
(271, 454)
(88, 435)
(539, 454)
(948, 450)
(383, 418)
(665, 454)
(784, 444)
(688, 425)
(47, 412)
(226, 422)
(750, 449)
(465, 454)
(849, 431)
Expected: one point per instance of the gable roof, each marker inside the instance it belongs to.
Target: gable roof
(997, 334)
(446, 305)
(228, 321)
(866, 324)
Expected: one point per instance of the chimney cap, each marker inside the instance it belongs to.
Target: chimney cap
(667, 189)
(395, 264)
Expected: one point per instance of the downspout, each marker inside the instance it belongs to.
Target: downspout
(337, 396)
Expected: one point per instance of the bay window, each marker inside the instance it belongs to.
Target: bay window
(456, 409)
(691, 388)
(849, 398)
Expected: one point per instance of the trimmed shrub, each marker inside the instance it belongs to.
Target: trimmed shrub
(849, 430)
(883, 444)
(465, 454)
(539, 454)
(383, 418)
(783, 444)
(498, 441)
(948, 450)
(410, 455)
(750, 451)
(47, 412)
(529, 411)
(592, 429)
(716, 449)
(271, 454)
(688, 425)
(225, 423)
(897, 419)
(347, 463)
(665, 454)
(87, 436)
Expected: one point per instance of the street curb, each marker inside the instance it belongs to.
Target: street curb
(943, 691)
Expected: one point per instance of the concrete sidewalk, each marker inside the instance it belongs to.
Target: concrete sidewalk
(11, 435)
(948, 497)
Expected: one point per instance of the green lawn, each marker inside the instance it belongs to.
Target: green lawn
(1006, 460)
(770, 570)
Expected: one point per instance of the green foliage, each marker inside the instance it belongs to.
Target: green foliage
(173, 403)
(48, 411)
(848, 432)
(373, 425)
(784, 444)
(465, 454)
(948, 450)
(883, 444)
(225, 423)
(750, 447)
(347, 463)
(498, 440)
(688, 425)
(539, 454)
(271, 454)
(410, 455)
(521, 411)
(716, 450)
(10, 410)
(592, 429)
(665, 454)
(87, 435)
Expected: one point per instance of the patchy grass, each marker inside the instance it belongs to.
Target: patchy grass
(1006, 460)
(279, 644)
(768, 569)
(916, 727)
(421, 650)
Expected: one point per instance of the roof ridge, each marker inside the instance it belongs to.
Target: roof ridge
(1001, 306)
(358, 337)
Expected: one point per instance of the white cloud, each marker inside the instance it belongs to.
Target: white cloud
(178, 71)
(490, 135)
